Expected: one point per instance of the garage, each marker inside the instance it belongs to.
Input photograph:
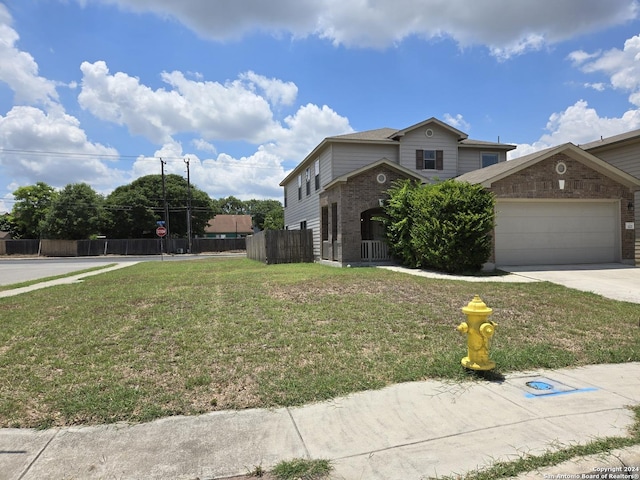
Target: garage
(539, 232)
(560, 206)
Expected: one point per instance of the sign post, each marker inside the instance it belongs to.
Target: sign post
(161, 231)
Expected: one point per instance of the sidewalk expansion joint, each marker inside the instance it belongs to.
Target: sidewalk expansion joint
(429, 440)
(295, 425)
(35, 459)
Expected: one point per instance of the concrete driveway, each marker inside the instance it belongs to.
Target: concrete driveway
(611, 280)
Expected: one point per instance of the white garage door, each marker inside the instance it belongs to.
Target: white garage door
(559, 232)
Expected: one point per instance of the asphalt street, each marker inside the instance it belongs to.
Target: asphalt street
(18, 270)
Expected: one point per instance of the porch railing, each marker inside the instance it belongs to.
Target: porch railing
(374, 251)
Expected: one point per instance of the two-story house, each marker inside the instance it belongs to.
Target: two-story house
(562, 205)
(337, 190)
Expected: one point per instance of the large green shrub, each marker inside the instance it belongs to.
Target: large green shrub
(446, 226)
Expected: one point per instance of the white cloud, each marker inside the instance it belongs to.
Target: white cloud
(19, 70)
(579, 124)
(305, 129)
(276, 91)
(578, 57)
(600, 86)
(621, 66)
(254, 176)
(232, 111)
(51, 147)
(506, 27)
(457, 121)
(204, 146)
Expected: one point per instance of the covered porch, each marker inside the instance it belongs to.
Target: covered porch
(351, 232)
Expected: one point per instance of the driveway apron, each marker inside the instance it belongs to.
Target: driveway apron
(611, 280)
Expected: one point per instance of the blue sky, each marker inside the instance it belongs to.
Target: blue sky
(97, 91)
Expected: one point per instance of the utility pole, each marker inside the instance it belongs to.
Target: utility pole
(186, 160)
(166, 205)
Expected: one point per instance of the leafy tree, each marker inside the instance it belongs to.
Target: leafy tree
(32, 206)
(77, 213)
(134, 209)
(261, 209)
(129, 214)
(274, 220)
(445, 226)
(7, 224)
(229, 206)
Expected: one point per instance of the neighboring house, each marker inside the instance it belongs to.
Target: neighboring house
(5, 235)
(562, 205)
(229, 226)
(338, 189)
(621, 151)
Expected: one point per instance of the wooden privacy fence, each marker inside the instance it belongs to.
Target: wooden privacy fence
(281, 246)
(19, 247)
(105, 246)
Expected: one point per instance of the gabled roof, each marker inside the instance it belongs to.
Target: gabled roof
(383, 161)
(392, 136)
(230, 224)
(455, 131)
(469, 143)
(627, 137)
(377, 135)
(489, 175)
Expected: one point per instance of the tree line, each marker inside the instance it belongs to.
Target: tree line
(78, 212)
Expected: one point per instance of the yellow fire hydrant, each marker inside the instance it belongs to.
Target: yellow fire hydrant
(479, 331)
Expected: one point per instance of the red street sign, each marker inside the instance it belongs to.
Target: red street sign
(161, 231)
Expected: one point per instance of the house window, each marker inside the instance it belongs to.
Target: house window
(307, 177)
(334, 221)
(429, 160)
(285, 197)
(317, 172)
(488, 159)
(303, 225)
(299, 187)
(429, 157)
(325, 223)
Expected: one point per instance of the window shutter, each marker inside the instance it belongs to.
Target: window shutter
(439, 160)
(419, 159)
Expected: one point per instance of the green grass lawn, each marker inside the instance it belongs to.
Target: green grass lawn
(158, 339)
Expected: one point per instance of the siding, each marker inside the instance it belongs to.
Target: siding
(441, 140)
(469, 158)
(350, 157)
(308, 208)
(626, 158)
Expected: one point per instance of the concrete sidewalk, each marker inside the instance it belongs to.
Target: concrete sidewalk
(63, 281)
(406, 431)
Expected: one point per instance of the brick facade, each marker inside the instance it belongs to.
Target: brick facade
(541, 181)
(363, 192)
(358, 194)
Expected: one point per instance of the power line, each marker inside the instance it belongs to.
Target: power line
(145, 158)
